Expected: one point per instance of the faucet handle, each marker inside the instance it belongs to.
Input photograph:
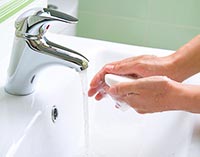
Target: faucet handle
(30, 22)
(51, 15)
(60, 15)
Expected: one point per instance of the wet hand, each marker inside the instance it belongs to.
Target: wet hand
(140, 66)
(148, 95)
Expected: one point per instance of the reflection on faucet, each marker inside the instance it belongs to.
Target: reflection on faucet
(32, 51)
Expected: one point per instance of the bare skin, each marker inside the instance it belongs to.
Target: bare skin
(157, 94)
(152, 92)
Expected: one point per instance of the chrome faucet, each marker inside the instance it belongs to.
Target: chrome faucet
(32, 51)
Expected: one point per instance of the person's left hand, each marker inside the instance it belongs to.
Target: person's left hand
(150, 94)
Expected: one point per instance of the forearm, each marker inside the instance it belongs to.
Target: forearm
(185, 62)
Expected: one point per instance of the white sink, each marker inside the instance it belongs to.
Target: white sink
(27, 129)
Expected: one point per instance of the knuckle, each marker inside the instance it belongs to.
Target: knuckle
(116, 67)
(105, 67)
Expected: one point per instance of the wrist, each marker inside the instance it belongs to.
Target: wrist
(189, 98)
(175, 67)
(181, 64)
(185, 61)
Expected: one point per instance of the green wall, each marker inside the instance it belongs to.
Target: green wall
(164, 24)
(11, 7)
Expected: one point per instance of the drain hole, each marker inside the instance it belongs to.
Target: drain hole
(54, 114)
(32, 79)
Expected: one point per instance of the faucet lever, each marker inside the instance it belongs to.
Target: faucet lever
(28, 24)
(67, 18)
(52, 15)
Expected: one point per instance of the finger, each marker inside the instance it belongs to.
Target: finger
(123, 89)
(133, 104)
(93, 91)
(123, 67)
(101, 94)
(131, 100)
(128, 66)
(98, 79)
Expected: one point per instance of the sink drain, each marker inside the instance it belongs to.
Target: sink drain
(54, 114)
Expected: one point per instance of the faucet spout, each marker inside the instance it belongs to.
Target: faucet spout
(32, 51)
(63, 55)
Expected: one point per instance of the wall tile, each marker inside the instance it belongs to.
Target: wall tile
(179, 12)
(111, 28)
(124, 8)
(169, 36)
(156, 23)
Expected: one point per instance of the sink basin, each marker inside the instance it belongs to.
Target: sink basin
(50, 122)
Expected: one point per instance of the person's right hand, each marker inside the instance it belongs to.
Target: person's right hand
(140, 66)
